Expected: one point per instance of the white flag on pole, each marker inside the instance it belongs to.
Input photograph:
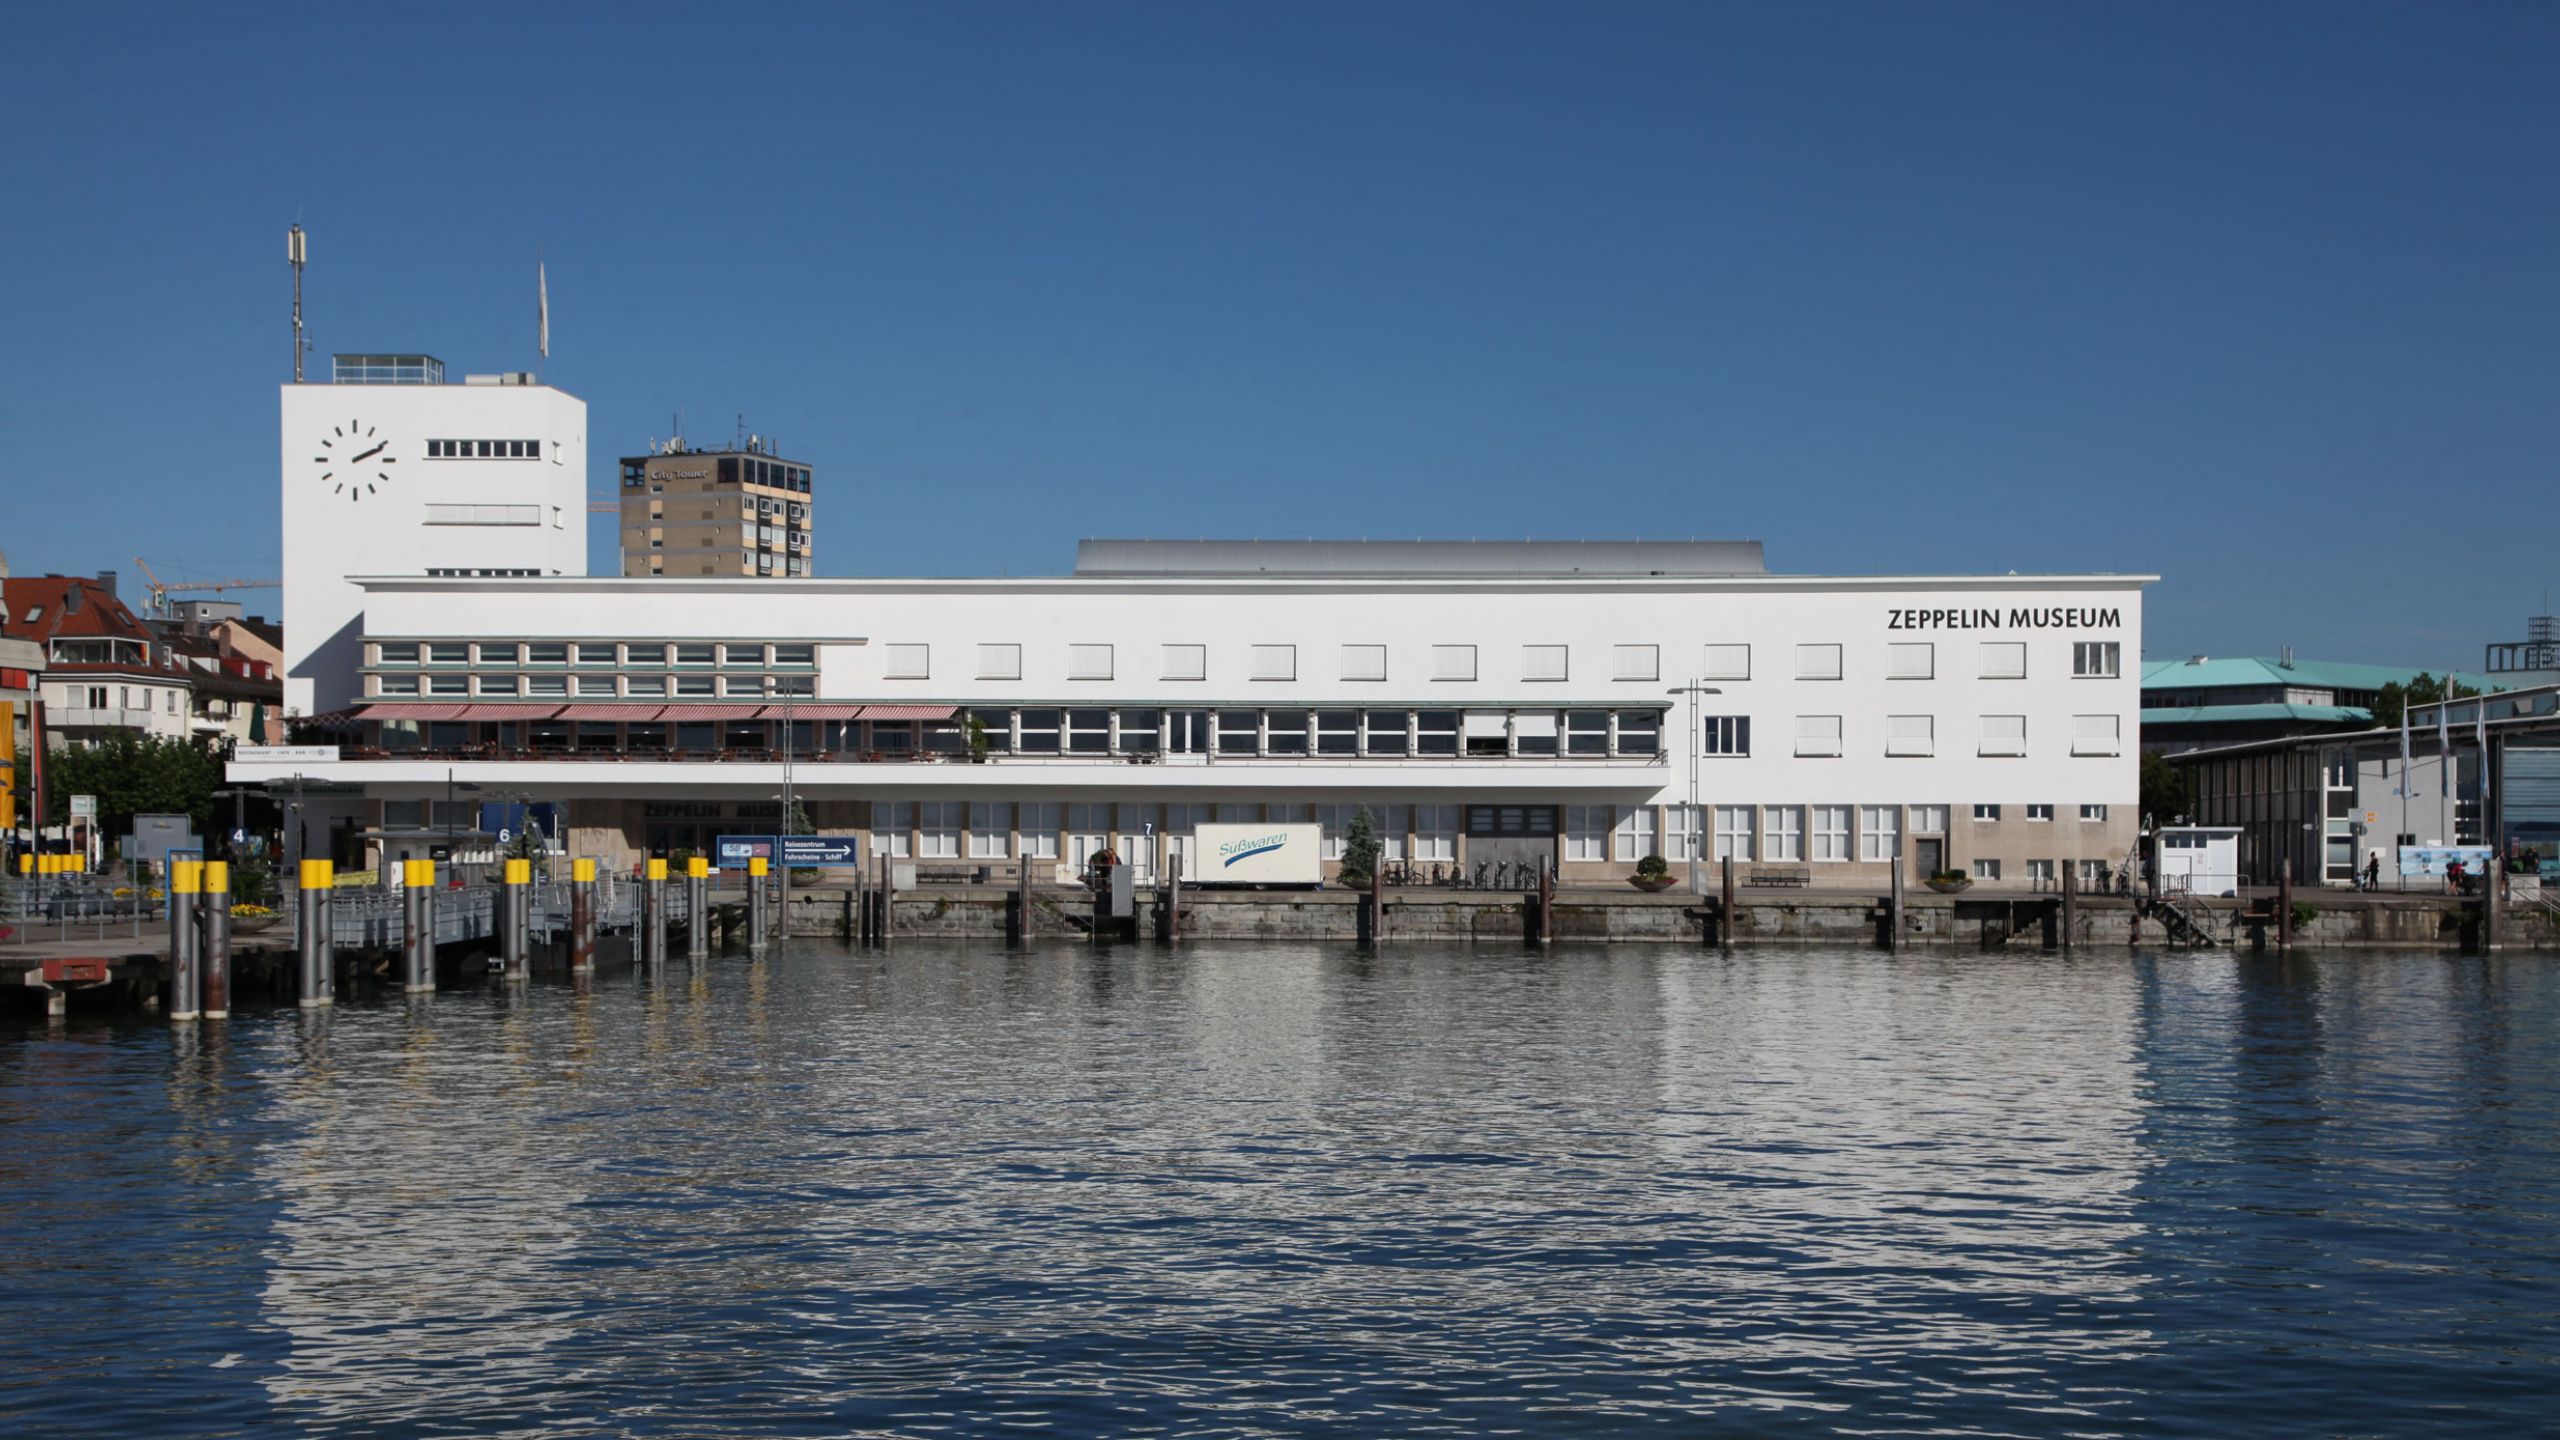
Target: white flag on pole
(2444, 738)
(542, 304)
(2404, 749)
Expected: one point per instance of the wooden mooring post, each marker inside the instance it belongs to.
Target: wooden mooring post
(582, 916)
(1724, 907)
(2070, 904)
(1893, 915)
(214, 973)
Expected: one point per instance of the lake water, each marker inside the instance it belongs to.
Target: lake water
(1289, 1190)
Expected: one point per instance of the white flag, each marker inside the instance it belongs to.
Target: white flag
(2405, 791)
(542, 292)
(2444, 738)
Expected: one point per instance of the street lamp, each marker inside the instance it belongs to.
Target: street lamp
(1697, 820)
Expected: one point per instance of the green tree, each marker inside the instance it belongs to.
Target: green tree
(2423, 689)
(1360, 849)
(131, 774)
(2164, 790)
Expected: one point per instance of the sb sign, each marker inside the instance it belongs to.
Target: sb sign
(790, 852)
(732, 852)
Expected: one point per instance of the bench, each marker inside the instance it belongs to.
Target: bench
(1777, 879)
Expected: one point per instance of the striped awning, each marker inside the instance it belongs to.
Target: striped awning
(908, 712)
(509, 712)
(709, 712)
(812, 711)
(413, 710)
(610, 713)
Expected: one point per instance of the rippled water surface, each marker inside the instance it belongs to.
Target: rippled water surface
(1272, 1190)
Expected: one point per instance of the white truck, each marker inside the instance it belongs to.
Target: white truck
(1256, 855)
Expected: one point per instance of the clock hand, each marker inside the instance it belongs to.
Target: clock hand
(369, 454)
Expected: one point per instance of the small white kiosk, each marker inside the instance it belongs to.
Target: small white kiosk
(2199, 859)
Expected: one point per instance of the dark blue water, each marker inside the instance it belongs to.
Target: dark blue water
(1282, 1191)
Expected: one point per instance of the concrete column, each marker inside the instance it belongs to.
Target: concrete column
(214, 972)
(517, 893)
(757, 917)
(582, 916)
(312, 980)
(418, 922)
(697, 908)
(186, 885)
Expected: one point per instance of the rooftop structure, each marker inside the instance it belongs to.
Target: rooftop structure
(2187, 704)
(385, 370)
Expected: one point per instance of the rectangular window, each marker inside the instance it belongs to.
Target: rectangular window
(1239, 732)
(2040, 874)
(1000, 662)
(461, 685)
(1916, 660)
(1830, 832)
(1088, 662)
(400, 684)
(1141, 732)
(1385, 732)
(2039, 812)
(1453, 662)
(1436, 732)
(503, 685)
(1640, 732)
(1287, 730)
(2096, 813)
(442, 513)
(1680, 832)
(1586, 732)
(1817, 662)
(1928, 819)
(1364, 662)
(1733, 832)
(1986, 869)
(1817, 734)
(2096, 659)
(1986, 812)
(1636, 662)
(1435, 832)
(2004, 735)
(1088, 828)
(1543, 662)
(695, 685)
(1879, 832)
(1586, 832)
(1724, 735)
(795, 656)
(1911, 735)
(1088, 732)
(546, 652)
(990, 830)
(1338, 732)
(1632, 836)
(402, 653)
(1782, 832)
(2004, 660)
(651, 655)
(891, 820)
(1039, 731)
(1392, 821)
(2093, 877)
(1185, 662)
(2094, 735)
(938, 829)
(1275, 662)
(905, 662)
(1728, 662)
(448, 653)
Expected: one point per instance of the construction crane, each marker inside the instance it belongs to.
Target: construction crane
(159, 591)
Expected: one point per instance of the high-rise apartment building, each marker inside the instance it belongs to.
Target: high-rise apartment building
(715, 512)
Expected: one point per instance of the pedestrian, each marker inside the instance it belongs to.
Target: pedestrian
(2453, 877)
(2372, 870)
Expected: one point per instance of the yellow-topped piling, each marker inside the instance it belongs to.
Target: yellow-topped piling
(217, 877)
(186, 877)
(319, 875)
(583, 871)
(519, 872)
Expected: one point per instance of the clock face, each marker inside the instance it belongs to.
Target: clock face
(354, 461)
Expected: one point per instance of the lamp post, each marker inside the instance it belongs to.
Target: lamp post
(1697, 820)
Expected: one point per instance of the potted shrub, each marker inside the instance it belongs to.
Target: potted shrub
(1653, 875)
(1949, 882)
(1359, 867)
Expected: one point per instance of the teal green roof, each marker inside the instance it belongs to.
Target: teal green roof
(2314, 674)
(2227, 714)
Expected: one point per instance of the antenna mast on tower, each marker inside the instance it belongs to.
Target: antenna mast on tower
(294, 253)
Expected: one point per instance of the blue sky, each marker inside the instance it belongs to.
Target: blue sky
(2258, 297)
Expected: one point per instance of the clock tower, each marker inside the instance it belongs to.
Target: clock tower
(388, 470)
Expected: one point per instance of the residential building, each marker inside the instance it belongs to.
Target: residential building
(716, 512)
(104, 669)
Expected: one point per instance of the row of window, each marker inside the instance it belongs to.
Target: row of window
(560, 686)
(465, 572)
(1999, 660)
(1908, 735)
(484, 449)
(1815, 834)
(682, 654)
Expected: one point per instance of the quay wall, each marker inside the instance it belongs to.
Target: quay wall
(978, 912)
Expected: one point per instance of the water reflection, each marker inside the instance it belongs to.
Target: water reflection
(1281, 1189)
